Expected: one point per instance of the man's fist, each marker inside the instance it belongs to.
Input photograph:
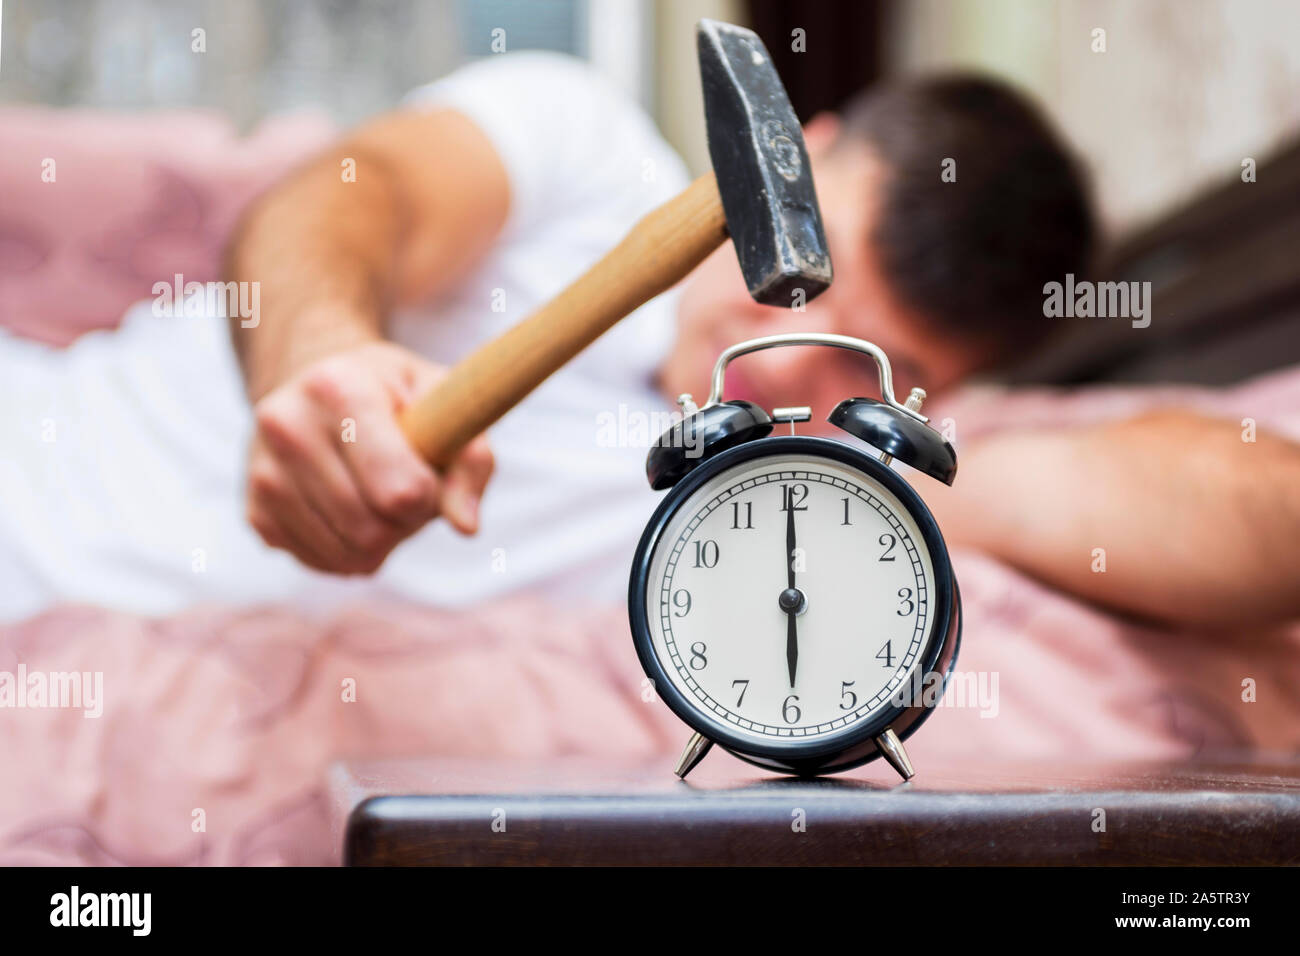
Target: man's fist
(331, 477)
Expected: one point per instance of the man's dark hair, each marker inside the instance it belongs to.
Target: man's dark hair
(972, 256)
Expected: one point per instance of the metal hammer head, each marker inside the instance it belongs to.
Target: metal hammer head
(764, 176)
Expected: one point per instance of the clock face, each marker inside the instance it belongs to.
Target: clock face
(790, 598)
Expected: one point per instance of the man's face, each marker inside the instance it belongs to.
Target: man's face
(716, 311)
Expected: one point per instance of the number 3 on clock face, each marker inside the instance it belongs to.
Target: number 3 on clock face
(789, 598)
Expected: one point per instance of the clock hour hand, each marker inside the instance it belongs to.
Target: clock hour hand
(791, 645)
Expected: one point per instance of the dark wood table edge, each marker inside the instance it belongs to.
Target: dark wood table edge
(872, 828)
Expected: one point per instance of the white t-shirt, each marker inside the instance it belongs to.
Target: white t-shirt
(121, 482)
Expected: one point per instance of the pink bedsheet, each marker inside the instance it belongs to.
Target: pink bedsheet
(239, 713)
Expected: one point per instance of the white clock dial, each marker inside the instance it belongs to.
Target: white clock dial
(720, 605)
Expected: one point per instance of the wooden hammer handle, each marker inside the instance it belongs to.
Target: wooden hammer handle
(660, 250)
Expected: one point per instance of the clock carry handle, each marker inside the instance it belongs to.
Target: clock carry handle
(897, 431)
(910, 409)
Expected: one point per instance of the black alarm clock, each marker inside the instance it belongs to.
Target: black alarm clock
(792, 599)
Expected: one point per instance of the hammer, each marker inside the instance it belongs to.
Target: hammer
(760, 193)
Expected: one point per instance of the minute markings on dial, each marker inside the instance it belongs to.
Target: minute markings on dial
(905, 651)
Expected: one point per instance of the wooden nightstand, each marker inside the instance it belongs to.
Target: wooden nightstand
(451, 811)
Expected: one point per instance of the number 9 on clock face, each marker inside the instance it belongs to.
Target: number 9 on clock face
(790, 598)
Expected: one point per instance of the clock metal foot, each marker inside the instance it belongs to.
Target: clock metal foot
(696, 748)
(893, 751)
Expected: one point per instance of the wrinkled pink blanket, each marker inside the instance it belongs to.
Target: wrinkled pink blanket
(235, 715)
(218, 725)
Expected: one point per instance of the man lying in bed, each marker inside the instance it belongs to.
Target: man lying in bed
(485, 192)
(433, 228)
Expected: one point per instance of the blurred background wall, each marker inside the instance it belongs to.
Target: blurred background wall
(1184, 90)
(1164, 99)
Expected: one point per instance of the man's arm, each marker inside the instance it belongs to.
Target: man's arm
(1198, 527)
(332, 256)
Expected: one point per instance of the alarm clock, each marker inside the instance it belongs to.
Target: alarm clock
(792, 598)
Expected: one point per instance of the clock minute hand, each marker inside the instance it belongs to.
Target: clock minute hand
(789, 543)
(792, 628)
